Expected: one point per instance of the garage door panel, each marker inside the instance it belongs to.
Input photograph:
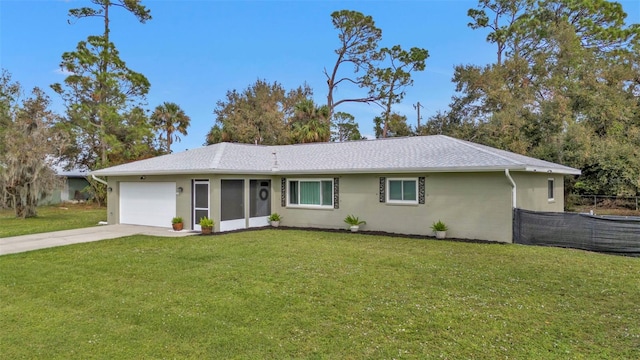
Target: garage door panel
(147, 203)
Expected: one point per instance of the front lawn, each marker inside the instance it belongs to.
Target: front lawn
(302, 294)
(52, 218)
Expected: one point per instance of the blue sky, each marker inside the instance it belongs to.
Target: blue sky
(193, 51)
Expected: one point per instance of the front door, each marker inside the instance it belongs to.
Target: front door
(259, 202)
(232, 205)
(201, 197)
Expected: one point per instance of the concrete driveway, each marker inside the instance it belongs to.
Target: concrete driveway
(17, 244)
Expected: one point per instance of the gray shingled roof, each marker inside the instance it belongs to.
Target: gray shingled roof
(437, 153)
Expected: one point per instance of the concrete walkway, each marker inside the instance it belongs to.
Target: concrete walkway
(17, 244)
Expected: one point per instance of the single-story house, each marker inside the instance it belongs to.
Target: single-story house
(73, 187)
(399, 185)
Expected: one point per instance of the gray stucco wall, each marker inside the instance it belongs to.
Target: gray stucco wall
(532, 191)
(473, 205)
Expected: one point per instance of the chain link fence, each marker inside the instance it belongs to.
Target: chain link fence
(603, 202)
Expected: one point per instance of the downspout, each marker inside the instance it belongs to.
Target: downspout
(98, 180)
(513, 187)
(105, 183)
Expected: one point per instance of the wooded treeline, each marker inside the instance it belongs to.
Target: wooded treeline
(267, 114)
(105, 124)
(564, 87)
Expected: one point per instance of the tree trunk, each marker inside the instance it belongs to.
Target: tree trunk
(331, 84)
(31, 208)
(387, 114)
(330, 97)
(27, 208)
(102, 86)
(19, 207)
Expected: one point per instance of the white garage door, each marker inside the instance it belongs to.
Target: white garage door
(147, 203)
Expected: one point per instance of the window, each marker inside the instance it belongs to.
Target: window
(311, 192)
(402, 191)
(550, 189)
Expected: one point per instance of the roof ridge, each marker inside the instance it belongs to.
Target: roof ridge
(218, 156)
(471, 145)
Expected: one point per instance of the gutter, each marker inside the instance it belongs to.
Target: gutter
(513, 187)
(341, 171)
(564, 171)
(98, 179)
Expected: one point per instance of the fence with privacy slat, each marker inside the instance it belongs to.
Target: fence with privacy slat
(607, 234)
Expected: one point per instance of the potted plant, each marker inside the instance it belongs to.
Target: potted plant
(206, 225)
(354, 222)
(440, 229)
(177, 223)
(274, 219)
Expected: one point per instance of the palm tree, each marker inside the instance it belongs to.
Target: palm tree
(310, 123)
(170, 119)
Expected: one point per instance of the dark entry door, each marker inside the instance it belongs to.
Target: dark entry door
(232, 214)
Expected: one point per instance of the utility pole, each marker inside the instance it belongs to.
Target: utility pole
(417, 106)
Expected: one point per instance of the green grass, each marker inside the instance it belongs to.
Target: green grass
(297, 294)
(51, 218)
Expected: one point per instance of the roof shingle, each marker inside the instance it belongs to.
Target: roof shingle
(437, 153)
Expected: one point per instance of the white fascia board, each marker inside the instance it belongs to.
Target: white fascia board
(300, 172)
(281, 172)
(180, 172)
(394, 170)
(548, 170)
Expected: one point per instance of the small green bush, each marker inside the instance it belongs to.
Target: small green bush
(275, 217)
(439, 226)
(353, 220)
(206, 222)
